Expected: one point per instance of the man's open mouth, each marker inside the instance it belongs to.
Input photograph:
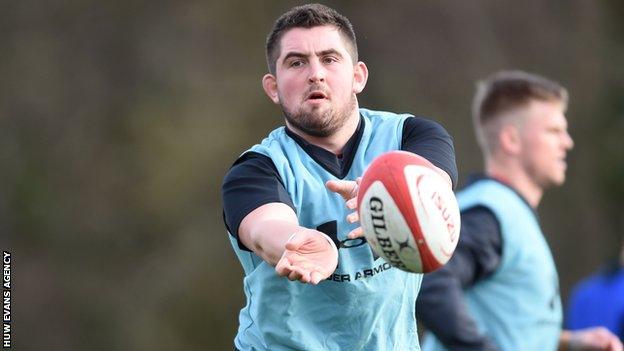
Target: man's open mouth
(317, 96)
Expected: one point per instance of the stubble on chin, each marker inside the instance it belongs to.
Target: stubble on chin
(319, 123)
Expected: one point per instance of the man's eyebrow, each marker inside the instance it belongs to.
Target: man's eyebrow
(294, 54)
(320, 53)
(329, 52)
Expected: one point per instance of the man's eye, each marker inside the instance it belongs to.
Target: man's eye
(556, 130)
(329, 59)
(296, 63)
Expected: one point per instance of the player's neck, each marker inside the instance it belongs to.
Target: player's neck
(335, 142)
(516, 177)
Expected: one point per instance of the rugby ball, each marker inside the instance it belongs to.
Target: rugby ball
(408, 212)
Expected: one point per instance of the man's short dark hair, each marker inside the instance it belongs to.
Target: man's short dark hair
(508, 90)
(308, 16)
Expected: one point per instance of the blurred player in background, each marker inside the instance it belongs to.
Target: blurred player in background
(310, 284)
(500, 290)
(599, 299)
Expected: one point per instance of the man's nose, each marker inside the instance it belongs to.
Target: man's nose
(317, 72)
(568, 143)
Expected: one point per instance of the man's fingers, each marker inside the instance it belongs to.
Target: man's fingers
(306, 278)
(295, 241)
(352, 203)
(356, 233)
(353, 217)
(339, 186)
(315, 277)
(300, 274)
(282, 267)
(614, 344)
(285, 265)
(599, 338)
(345, 188)
(294, 275)
(302, 264)
(296, 268)
(306, 252)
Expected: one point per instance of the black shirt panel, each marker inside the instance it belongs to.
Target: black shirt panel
(479, 251)
(431, 141)
(252, 181)
(337, 165)
(441, 306)
(442, 310)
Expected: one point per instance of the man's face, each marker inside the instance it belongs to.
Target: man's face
(315, 80)
(545, 142)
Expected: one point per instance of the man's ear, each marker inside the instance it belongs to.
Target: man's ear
(509, 139)
(360, 76)
(269, 84)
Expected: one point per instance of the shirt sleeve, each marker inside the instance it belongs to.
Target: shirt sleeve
(440, 305)
(251, 182)
(431, 141)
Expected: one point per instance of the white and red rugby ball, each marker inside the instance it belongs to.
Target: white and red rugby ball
(408, 212)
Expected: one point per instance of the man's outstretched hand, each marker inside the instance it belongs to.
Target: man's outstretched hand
(590, 339)
(309, 257)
